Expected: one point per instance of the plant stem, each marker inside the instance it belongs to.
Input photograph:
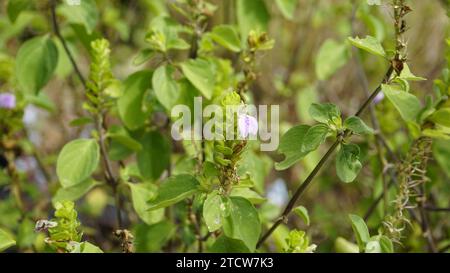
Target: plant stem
(64, 43)
(435, 209)
(312, 175)
(108, 172)
(193, 218)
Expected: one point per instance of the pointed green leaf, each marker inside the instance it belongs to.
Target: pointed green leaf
(324, 112)
(361, 231)
(302, 212)
(35, 63)
(248, 194)
(74, 192)
(287, 8)
(213, 211)
(251, 15)
(314, 137)
(224, 244)
(130, 105)
(341, 245)
(15, 7)
(166, 88)
(154, 157)
(369, 44)
(357, 126)
(441, 117)
(85, 14)
(406, 74)
(386, 245)
(143, 56)
(173, 190)
(6, 240)
(200, 73)
(226, 36)
(243, 222)
(291, 146)
(406, 104)
(347, 162)
(373, 246)
(77, 161)
(140, 194)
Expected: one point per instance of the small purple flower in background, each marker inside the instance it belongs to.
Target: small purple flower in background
(247, 125)
(7, 101)
(378, 98)
(277, 193)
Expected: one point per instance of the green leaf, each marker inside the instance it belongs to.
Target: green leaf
(291, 146)
(441, 117)
(154, 157)
(324, 112)
(143, 56)
(6, 240)
(140, 194)
(152, 238)
(200, 73)
(226, 36)
(243, 222)
(386, 245)
(77, 161)
(85, 14)
(347, 162)
(15, 7)
(41, 100)
(369, 44)
(314, 137)
(302, 212)
(224, 244)
(361, 231)
(86, 247)
(130, 105)
(74, 192)
(357, 126)
(35, 63)
(341, 245)
(406, 104)
(120, 135)
(213, 211)
(406, 74)
(373, 246)
(81, 121)
(287, 8)
(175, 189)
(248, 194)
(332, 56)
(251, 15)
(166, 88)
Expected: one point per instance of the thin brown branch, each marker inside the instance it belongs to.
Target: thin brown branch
(108, 170)
(436, 209)
(64, 43)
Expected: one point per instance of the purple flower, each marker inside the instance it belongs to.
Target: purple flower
(247, 125)
(378, 98)
(7, 101)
